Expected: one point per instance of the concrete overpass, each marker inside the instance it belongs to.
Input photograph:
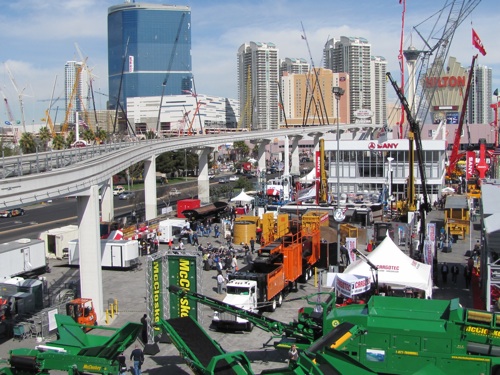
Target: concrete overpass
(29, 179)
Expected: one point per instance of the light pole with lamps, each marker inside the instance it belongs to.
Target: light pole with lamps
(338, 215)
(389, 172)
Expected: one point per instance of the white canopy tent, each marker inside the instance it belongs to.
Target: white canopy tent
(395, 268)
(310, 177)
(242, 197)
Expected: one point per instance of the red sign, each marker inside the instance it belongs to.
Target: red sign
(383, 146)
(318, 163)
(470, 160)
(445, 81)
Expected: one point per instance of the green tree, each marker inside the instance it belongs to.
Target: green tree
(58, 142)
(241, 149)
(150, 134)
(45, 135)
(70, 139)
(88, 135)
(101, 135)
(27, 143)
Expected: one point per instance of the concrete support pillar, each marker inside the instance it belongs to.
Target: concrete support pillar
(295, 166)
(286, 162)
(261, 156)
(107, 203)
(89, 244)
(150, 188)
(203, 183)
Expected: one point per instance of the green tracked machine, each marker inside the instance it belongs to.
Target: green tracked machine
(74, 351)
(392, 335)
(206, 357)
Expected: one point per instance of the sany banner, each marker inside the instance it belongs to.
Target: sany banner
(350, 244)
(470, 160)
(350, 285)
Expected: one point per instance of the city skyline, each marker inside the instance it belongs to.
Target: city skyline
(37, 50)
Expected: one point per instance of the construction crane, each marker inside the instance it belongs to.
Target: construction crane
(69, 108)
(459, 10)
(415, 141)
(10, 117)
(454, 157)
(246, 114)
(20, 94)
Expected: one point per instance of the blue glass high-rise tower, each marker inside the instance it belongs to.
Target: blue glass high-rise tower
(149, 51)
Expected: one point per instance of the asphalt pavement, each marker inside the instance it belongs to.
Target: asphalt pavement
(129, 288)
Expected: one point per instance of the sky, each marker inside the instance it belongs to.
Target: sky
(38, 37)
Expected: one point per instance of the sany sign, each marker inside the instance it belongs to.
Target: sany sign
(470, 160)
(383, 146)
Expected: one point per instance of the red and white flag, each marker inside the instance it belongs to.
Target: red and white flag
(476, 42)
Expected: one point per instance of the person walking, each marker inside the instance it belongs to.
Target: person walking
(137, 356)
(467, 276)
(444, 272)
(252, 245)
(122, 363)
(234, 264)
(293, 356)
(144, 333)
(454, 273)
(220, 282)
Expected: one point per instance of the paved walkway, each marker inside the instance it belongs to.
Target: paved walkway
(129, 288)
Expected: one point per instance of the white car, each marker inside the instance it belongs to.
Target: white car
(174, 191)
(118, 190)
(233, 178)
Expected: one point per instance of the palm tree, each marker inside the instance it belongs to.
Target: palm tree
(58, 142)
(241, 148)
(45, 136)
(70, 139)
(101, 135)
(150, 134)
(27, 143)
(88, 135)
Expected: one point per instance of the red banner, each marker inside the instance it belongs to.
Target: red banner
(476, 42)
(470, 161)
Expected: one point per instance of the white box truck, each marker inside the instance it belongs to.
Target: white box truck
(57, 240)
(114, 253)
(21, 257)
(170, 229)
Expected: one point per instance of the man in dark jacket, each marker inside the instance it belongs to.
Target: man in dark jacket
(137, 356)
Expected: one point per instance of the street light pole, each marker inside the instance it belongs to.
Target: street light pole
(338, 92)
(390, 160)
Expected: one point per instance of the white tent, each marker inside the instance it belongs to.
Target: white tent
(242, 197)
(310, 177)
(395, 268)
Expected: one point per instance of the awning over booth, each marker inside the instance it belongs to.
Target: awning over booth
(395, 268)
(242, 197)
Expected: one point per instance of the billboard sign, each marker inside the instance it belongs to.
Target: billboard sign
(182, 273)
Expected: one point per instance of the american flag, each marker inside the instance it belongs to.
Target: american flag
(82, 123)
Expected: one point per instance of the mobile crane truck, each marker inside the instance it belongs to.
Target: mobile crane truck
(392, 335)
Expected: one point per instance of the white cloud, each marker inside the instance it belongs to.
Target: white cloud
(38, 37)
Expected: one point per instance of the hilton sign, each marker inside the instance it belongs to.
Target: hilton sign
(446, 81)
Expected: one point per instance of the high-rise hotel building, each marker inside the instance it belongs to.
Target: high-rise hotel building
(75, 88)
(149, 51)
(481, 91)
(258, 91)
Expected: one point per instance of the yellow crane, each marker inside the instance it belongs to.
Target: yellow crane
(78, 73)
(246, 114)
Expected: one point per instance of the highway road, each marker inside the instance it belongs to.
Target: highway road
(60, 212)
